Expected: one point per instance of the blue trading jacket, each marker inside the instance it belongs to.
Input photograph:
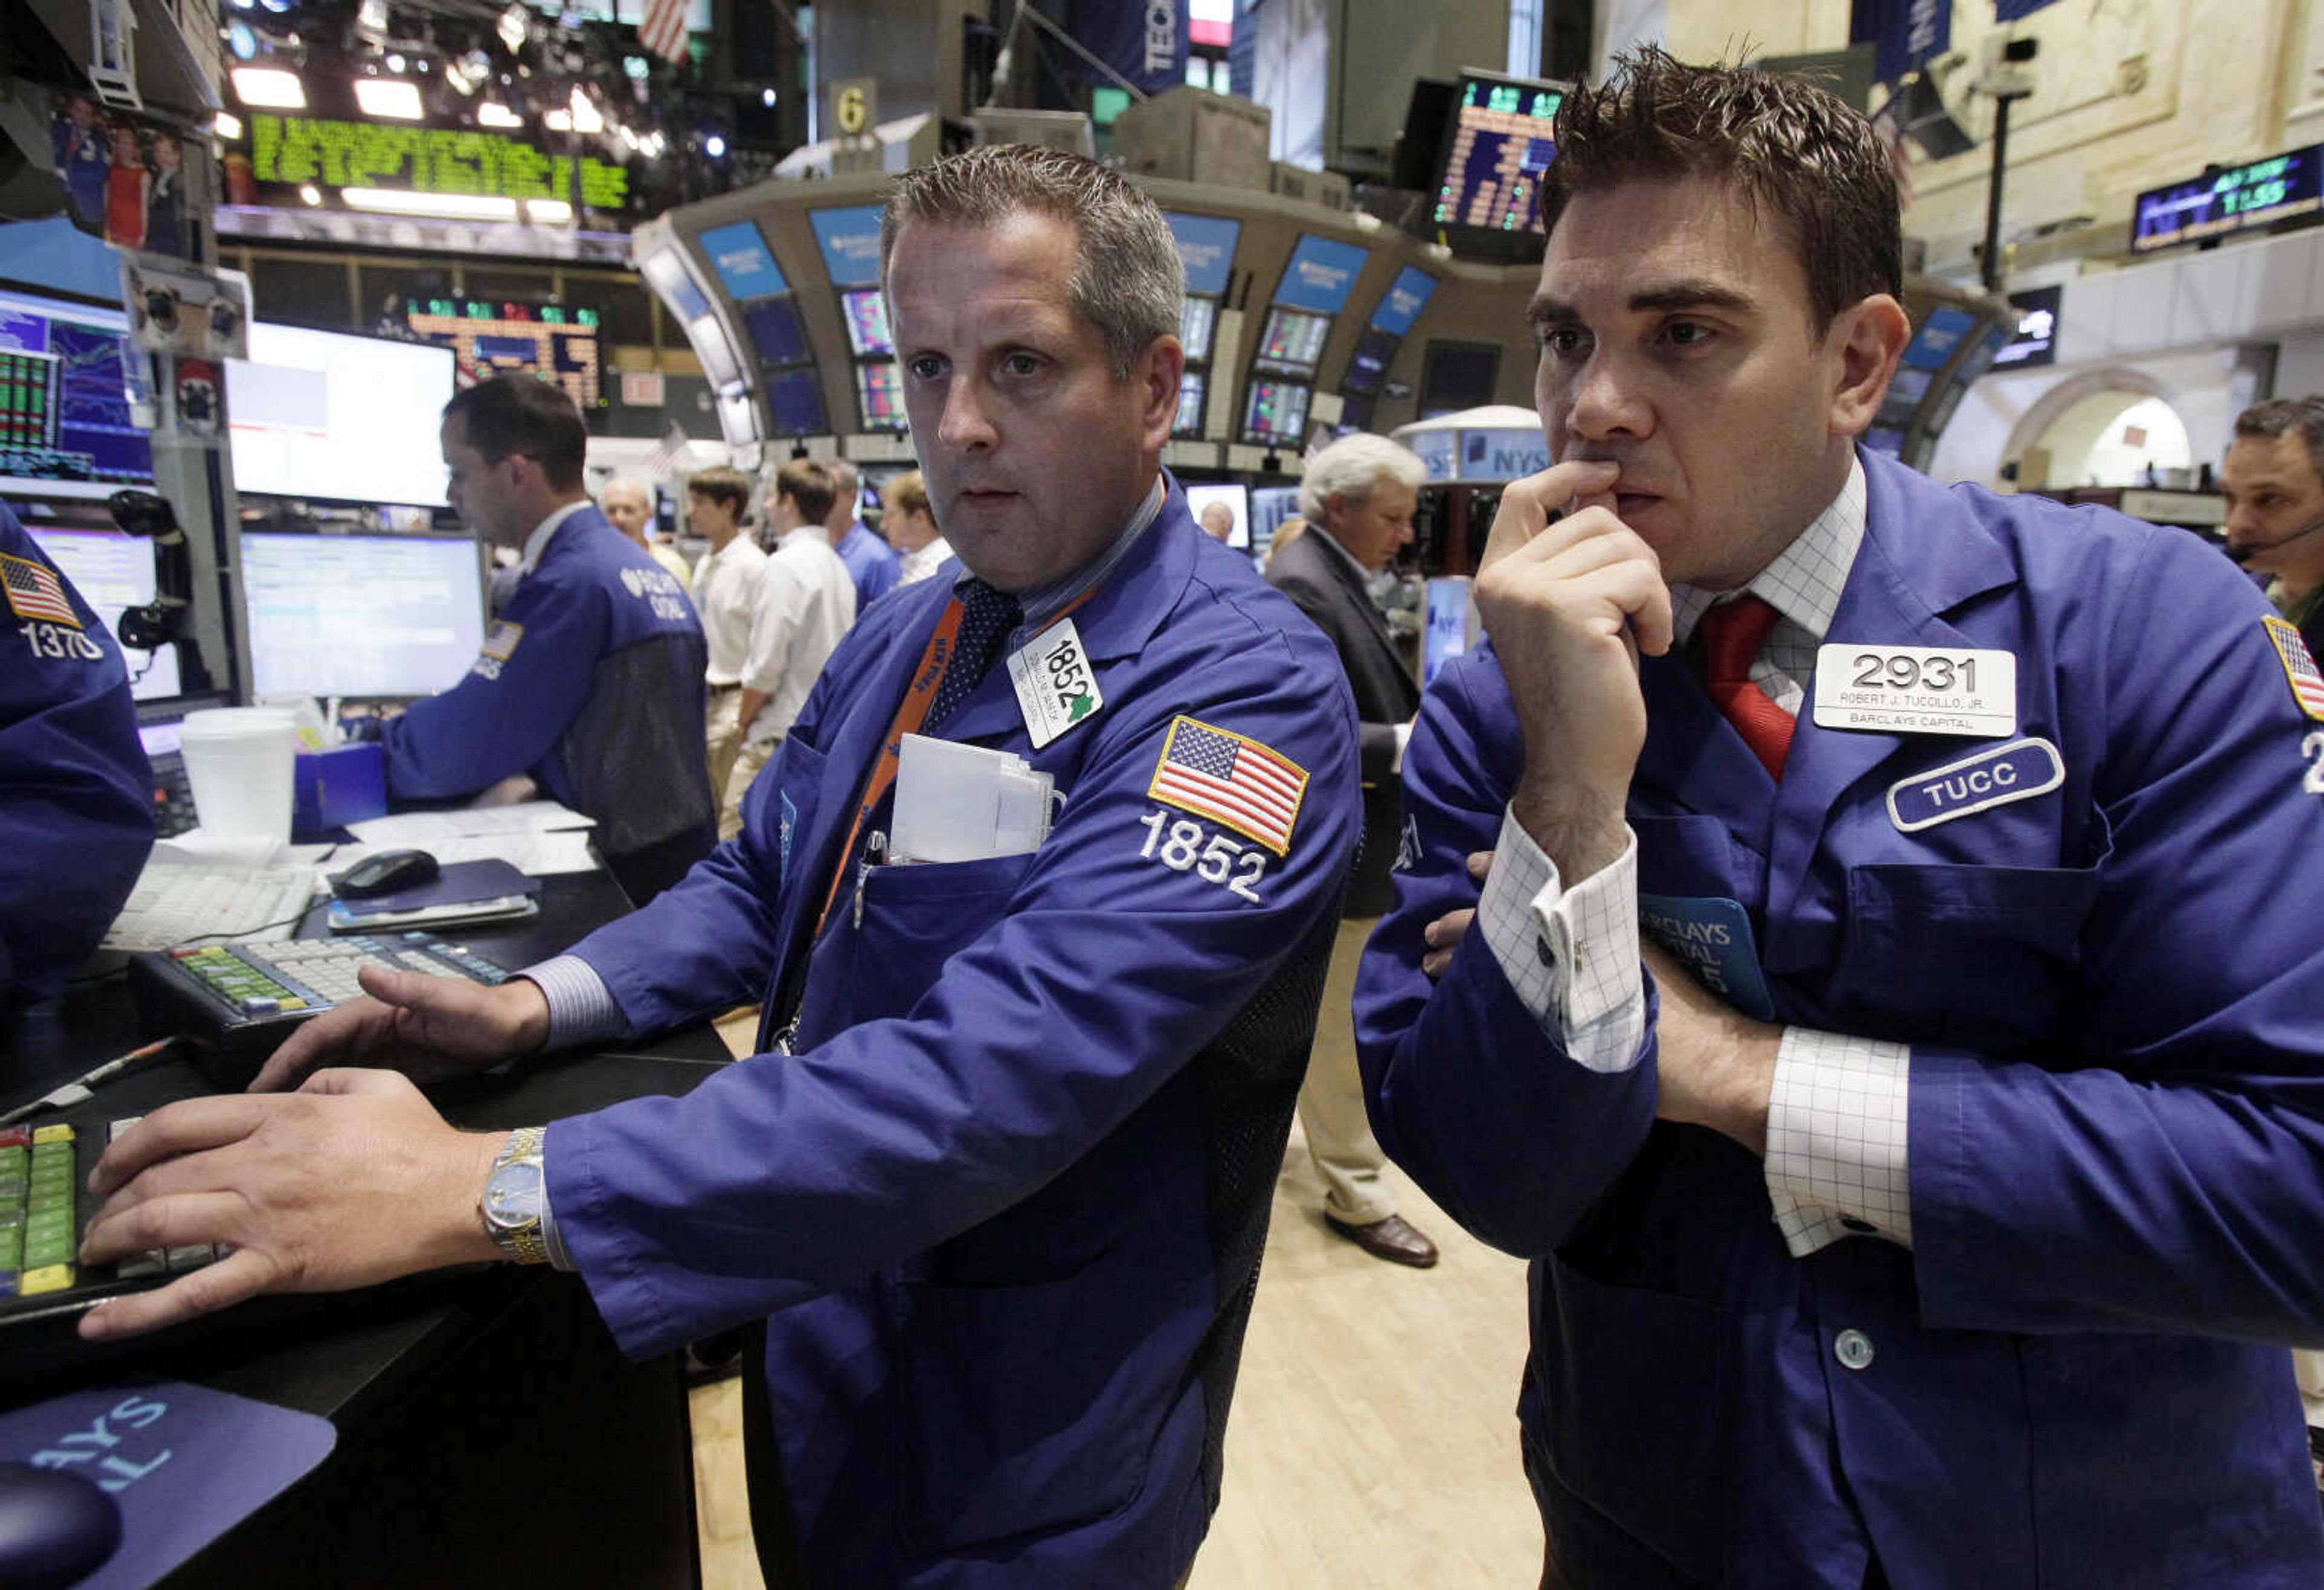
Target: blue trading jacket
(1003, 1201)
(590, 680)
(75, 793)
(2116, 1151)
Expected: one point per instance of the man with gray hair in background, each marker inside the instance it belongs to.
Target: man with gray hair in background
(870, 562)
(1360, 493)
(628, 507)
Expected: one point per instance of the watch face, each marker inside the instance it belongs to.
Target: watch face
(512, 1196)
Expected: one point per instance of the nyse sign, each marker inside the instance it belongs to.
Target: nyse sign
(424, 159)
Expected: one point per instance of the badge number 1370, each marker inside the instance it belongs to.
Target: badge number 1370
(1185, 845)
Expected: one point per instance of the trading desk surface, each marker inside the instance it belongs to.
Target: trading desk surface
(487, 1429)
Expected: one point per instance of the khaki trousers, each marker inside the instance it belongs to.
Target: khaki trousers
(1331, 1101)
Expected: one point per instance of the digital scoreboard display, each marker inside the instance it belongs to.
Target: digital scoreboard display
(1496, 151)
(2240, 198)
(554, 341)
(289, 151)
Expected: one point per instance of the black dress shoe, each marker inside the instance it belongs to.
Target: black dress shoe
(1393, 1239)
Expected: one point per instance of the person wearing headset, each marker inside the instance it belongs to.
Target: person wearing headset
(2273, 483)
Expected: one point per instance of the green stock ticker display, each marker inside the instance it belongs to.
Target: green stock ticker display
(424, 159)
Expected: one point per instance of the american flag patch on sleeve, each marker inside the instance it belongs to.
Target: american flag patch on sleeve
(1229, 779)
(34, 592)
(2307, 682)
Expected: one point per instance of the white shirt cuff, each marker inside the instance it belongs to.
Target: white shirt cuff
(1571, 955)
(1837, 1140)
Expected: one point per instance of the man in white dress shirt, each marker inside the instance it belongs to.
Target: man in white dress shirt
(911, 528)
(805, 602)
(726, 594)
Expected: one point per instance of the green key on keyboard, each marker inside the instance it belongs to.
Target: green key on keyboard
(38, 1229)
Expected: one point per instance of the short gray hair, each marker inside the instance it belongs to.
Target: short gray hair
(1128, 280)
(2284, 417)
(1353, 467)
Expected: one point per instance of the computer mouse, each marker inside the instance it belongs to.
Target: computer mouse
(55, 1526)
(385, 873)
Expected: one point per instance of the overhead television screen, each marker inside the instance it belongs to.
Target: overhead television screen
(1498, 148)
(866, 314)
(795, 398)
(1276, 414)
(1197, 320)
(777, 331)
(1292, 341)
(1193, 384)
(490, 337)
(329, 417)
(66, 429)
(880, 397)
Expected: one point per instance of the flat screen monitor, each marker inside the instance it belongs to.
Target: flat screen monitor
(1292, 341)
(880, 396)
(1196, 321)
(1455, 376)
(490, 337)
(866, 314)
(325, 416)
(1276, 414)
(1368, 366)
(64, 425)
(794, 396)
(1497, 149)
(1269, 506)
(113, 571)
(1236, 498)
(777, 332)
(362, 615)
(1192, 385)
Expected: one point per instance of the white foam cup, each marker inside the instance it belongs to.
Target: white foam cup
(240, 761)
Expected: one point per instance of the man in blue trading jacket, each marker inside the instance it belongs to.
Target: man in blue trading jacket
(875, 566)
(1002, 1223)
(76, 794)
(590, 679)
(1936, 1208)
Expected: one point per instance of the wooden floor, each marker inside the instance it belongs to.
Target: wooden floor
(1373, 1440)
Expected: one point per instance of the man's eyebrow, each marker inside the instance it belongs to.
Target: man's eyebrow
(1689, 294)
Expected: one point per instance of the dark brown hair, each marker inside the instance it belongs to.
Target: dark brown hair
(1795, 151)
(728, 488)
(807, 483)
(525, 416)
(2278, 416)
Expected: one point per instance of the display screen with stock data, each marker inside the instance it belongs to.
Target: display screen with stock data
(1496, 151)
(2258, 194)
(489, 337)
(66, 429)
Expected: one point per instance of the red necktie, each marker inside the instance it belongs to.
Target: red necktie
(1731, 635)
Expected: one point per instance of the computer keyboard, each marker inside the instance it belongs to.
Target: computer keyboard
(43, 1205)
(175, 902)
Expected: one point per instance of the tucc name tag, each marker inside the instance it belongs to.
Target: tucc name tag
(1917, 690)
(2017, 771)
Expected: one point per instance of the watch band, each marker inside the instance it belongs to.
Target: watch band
(522, 1242)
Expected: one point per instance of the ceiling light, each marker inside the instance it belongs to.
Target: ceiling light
(467, 73)
(227, 125)
(395, 62)
(458, 206)
(493, 113)
(586, 118)
(514, 27)
(242, 40)
(269, 88)
(766, 98)
(558, 121)
(548, 212)
(714, 147)
(310, 193)
(371, 19)
(385, 97)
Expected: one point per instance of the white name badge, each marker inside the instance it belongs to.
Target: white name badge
(1056, 687)
(1917, 690)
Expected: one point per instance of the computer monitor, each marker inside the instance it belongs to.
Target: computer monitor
(795, 398)
(361, 616)
(1269, 506)
(327, 417)
(113, 571)
(1368, 366)
(1292, 341)
(1489, 179)
(1238, 501)
(1193, 387)
(880, 396)
(1197, 320)
(777, 331)
(66, 429)
(1276, 413)
(866, 313)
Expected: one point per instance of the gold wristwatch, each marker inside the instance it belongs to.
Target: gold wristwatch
(514, 1194)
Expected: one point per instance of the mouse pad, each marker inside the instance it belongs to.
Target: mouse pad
(185, 1463)
(455, 885)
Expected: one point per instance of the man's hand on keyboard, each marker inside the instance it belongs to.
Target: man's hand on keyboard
(414, 1022)
(352, 1181)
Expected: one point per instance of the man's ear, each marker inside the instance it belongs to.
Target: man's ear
(1156, 376)
(1868, 337)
